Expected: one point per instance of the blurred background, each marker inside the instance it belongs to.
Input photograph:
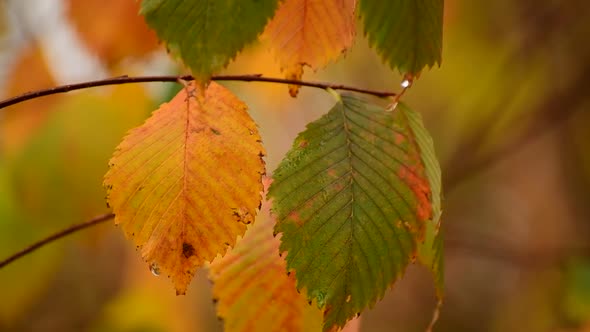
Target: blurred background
(509, 110)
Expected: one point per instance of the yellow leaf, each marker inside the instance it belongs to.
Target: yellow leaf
(184, 185)
(253, 290)
(310, 32)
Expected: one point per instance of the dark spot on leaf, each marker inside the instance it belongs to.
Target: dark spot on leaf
(215, 131)
(227, 244)
(242, 215)
(215, 300)
(188, 250)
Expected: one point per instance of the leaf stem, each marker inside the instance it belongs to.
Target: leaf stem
(74, 228)
(170, 78)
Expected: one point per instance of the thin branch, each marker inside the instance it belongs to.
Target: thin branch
(169, 78)
(56, 236)
(435, 315)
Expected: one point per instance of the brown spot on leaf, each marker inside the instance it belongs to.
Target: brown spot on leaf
(294, 216)
(188, 250)
(303, 144)
(398, 138)
(242, 215)
(421, 189)
(332, 173)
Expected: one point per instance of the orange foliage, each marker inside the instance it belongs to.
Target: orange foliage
(112, 29)
(186, 183)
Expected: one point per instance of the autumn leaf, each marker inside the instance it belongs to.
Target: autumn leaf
(253, 290)
(186, 183)
(310, 32)
(207, 34)
(406, 33)
(352, 199)
(430, 251)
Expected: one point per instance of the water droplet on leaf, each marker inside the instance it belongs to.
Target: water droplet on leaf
(155, 269)
(406, 83)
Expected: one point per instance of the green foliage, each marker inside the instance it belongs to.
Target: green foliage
(207, 34)
(406, 33)
(576, 302)
(352, 198)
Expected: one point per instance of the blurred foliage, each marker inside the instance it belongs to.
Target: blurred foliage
(576, 300)
(111, 29)
(511, 227)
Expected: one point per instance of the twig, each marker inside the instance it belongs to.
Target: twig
(169, 78)
(56, 236)
(435, 315)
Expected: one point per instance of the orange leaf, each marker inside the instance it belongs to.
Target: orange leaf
(310, 32)
(184, 185)
(253, 290)
(19, 122)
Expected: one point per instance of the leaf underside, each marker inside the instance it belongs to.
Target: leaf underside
(352, 200)
(184, 184)
(310, 32)
(407, 34)
(253, 290)
(207, 34)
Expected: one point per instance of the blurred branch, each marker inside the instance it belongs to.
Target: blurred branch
(56, 236)
(554, 111)
(167, 78)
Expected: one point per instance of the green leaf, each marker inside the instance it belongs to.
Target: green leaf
(207, 34)
(430, 251)
(406, 33)
(352, 199)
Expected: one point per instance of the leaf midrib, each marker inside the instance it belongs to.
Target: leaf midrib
(351, 203)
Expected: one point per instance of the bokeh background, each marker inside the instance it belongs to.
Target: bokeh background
(509, 110)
